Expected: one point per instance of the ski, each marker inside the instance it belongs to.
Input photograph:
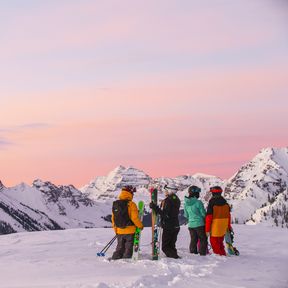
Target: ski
(137, 235)
(154, 218)
(229, 237)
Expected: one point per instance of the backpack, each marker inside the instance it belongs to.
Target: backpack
(120, 212)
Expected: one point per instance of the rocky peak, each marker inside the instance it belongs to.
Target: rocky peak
(50, 190)
(1, 185)
(57, 194)
(106, 187)
(122, 176)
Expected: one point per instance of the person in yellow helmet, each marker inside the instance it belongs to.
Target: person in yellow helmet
(125, 219)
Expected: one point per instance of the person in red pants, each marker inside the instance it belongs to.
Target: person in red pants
(218, 220)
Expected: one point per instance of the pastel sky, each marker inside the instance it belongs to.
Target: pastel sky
(170, 87)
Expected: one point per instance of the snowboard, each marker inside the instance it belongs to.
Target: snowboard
(155, 219)
(137, 235)
(229, 237)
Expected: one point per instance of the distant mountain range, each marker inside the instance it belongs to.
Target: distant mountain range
(258, 193)
(45, 206)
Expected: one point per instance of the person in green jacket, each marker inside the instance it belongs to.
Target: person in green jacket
(195, 212)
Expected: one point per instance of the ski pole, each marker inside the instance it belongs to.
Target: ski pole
(107, 246)
(104, 250)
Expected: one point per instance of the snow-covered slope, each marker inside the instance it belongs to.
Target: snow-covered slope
(23, 209)
(45, 206)
(54, 259)
(274, 212)
(260, 187)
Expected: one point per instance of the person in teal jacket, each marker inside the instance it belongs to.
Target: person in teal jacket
(195, 212)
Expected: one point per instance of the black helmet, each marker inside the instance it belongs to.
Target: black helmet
(129, 188)
(194, 189)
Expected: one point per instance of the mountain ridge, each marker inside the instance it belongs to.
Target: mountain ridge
(257, 194)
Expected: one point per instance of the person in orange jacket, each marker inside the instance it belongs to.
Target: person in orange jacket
(125, 219)
(218, 220)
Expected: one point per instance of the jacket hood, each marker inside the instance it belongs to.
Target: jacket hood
(125, 195)
(190, 201)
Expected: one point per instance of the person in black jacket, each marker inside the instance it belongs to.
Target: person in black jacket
(169, 212)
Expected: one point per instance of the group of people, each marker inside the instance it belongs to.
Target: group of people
(202, 224)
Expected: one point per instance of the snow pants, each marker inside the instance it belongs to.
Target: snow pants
(124, 248)
(218, 245)
(196, 234)
(169, 238)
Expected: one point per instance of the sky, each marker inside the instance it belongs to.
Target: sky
(169, 87)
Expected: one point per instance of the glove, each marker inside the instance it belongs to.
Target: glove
(207, 234)
(153, 206)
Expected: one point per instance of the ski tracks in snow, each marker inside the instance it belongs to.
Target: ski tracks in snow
(167, 272)
(176, 272)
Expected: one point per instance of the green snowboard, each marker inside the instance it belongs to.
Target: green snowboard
(137, 235)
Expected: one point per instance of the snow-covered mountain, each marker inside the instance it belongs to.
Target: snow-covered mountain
(103, 188)
(108, 188)
(45, 206)
(183, 182)
(258, 191)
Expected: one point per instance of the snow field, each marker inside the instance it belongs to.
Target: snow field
(67, 259)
